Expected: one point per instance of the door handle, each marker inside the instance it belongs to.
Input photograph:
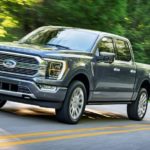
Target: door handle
(117, 69)
(133, 71)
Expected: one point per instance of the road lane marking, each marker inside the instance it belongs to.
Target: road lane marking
(56, 138)
(34, 134)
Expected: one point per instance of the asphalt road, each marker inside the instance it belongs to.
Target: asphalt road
(25, 127)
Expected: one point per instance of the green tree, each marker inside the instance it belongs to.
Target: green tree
(138, 28)
(13, 17)
(104, 15)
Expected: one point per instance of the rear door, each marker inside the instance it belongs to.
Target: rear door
(124, 69)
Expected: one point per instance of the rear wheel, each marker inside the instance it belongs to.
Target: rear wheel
(74, 104)
(2, 103)
(137, 110)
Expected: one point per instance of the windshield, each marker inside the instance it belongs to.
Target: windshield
(72, 39)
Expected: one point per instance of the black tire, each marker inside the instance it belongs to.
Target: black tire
(133, 109)
(63, 114)
(2, 103)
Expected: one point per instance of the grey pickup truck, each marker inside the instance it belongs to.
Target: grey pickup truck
(68, 68)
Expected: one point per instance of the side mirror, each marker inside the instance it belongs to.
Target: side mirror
(106, 57)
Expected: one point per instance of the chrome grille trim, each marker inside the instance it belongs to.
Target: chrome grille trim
(24, 65)
(27, 67)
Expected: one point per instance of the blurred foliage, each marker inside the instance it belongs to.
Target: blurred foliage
(138, 28)
(129, 18)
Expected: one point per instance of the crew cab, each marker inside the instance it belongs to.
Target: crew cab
(68, 68)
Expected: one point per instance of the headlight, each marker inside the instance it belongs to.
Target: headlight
(56, 69)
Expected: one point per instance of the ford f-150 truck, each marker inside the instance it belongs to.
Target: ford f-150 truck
(68, 68)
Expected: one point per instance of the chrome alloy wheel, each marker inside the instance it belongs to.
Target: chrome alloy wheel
(142, 105)
(76, 103)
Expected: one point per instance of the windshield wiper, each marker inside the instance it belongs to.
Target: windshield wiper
(57, 45)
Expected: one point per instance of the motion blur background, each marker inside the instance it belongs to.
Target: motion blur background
(130, 18)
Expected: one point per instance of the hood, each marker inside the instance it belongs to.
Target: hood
(41, 51)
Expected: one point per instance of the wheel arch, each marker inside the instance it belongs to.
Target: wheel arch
(84, 78)
(146, 84)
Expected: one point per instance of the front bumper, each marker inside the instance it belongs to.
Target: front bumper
(35, 95)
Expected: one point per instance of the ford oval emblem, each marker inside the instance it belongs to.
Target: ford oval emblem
(9, 63)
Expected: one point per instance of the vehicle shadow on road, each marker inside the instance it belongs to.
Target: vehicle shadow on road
(48, 115)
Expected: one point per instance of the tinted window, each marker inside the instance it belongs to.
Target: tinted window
(73, 39)
(123, 51)
(106, 45)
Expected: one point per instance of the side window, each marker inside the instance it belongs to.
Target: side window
(106, 45)
(123, 51)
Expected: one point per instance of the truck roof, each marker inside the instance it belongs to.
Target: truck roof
(92, 31)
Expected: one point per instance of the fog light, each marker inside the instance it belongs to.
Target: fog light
(45, 87)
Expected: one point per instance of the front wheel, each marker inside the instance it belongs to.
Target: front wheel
(74, 104)
(2, 103)
(137, 110)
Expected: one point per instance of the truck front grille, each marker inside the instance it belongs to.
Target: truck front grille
(25, 65)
